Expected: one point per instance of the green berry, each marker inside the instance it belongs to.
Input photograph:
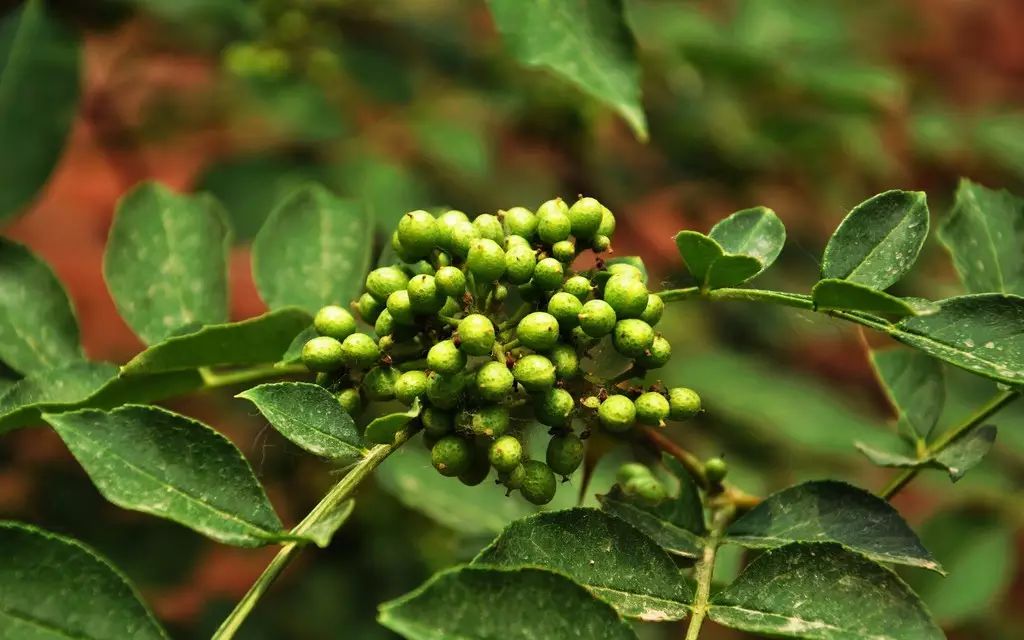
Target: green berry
(597, 318)
(350, 400)
(585, 215)
(463, 234)
(520, 221)
(385, 324)
(411, 385)
(658, 355)
(445, 392)
(451, 281)
(505, 454)
(515, 241)
(553, 222)
(400, 307)
(450, 308)
(500, 292)
(381, 283)
(494, 381)
(554, 407)
(488, 226)
(514, 479)
(520, 262)
(491, 421)
(445, 227)
(632, 338)
(631, 470)
(651, 408)
(715, 470)
(626, 269)
(566, 309)
(653, 311)
(322, 353)
(379, 383)
(627, 295)
(617, 414)
(417, 232)
(486, 260)
(534, 372)
(538, 331)
(683, 403)
(607, 226)
(566, 361)
(565, 453)
(547, 275)
(403, 254)
(441, 259)
(591, 402)
(451, 455)
(360, 351)
(647, 489)
(479, 469)
(601, 244)
(424, 295)
(476, 335)
(334, 321)
(369, 308)
(564, 251)
(437, 423)
(445, 358)
(578, 286)
(538, 483)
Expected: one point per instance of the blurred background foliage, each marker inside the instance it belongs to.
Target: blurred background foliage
(805, 106)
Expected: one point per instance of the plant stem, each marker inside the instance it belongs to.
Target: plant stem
(983, 413)
(334, 498)
(213, 380)
(705, 570)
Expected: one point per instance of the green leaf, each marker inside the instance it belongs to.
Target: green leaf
(166, 261)
(308, 415)
(890, 459)
(39, 87)
(258, 340)
(967, 451)
(517, 604)
(822, 591)
(609, 557)
(698, 252)
(982, 333)
(38, 329)
(151, 460)
(850, 296)
(757, 233)
(878, 242)
(586, 42)
(312, 251)
(384, 429)
(915, 385)
(984, 234)
(730, 270)
(832, 511)
(323, 531)
(55, 587)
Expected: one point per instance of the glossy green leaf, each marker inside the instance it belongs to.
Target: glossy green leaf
(822, 591)
(384, 429)
(586, 42)
(982, 333)
(308, 415)
(984, 234)
(258, 340)
(967, 451)
(850, 296)
(757, 233)
(612, 559)
(516, 604)
(698, 252)
(151, 460)
(915, 385)
(832, 511)
(878, 242)
(38, 329)
(39, 86)
(323, 531)
(166, 261)
(56, 588)
(730, 270)
(313, 250)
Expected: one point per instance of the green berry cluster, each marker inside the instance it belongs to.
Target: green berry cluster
(485, 322)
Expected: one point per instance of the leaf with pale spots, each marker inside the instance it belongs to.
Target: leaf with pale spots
(967, 451)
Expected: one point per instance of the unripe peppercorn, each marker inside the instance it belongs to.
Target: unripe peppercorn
(534, 372)
(654, 310)
(627, 295)
(451, 455)
(494, 381)
(514, 479)
(538, 484)
(632, 338)
(444, 392)
(607, 226)
(445, 227)
(617, 414)
(411, 385)
(381, 283)
(505, 454)
(417, 231)
(479, 469)
(578, 286)
(520, 262)
(625, 269)
(334, 321)
(683, 403)
(369, 308)
(350, 400)
(646, 489)
(566, 361)
(553, 222)
(400, 307)
(651, 408)
(403, 254)
(565, 453)
(385, 324)
(564, 251)
(585, 215)
(451, 281)
(486, 260)
(437, 423)
(554, 407)
(476, 334)
(488, 226)
(445, 358)
(597, 318)
(500, 292)
(631, 470)
(601, 244)
(566, 308)
(379, 383)
(360, 351)
(715, 470)
(515, 241)
(322, 353)
(424, 295)
(463, 234)
(538, 331)
(491, 421)
(520, 221)
(658, 355)
(547, 275)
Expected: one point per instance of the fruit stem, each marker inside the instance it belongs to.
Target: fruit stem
(328, 505)
(705, 570)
